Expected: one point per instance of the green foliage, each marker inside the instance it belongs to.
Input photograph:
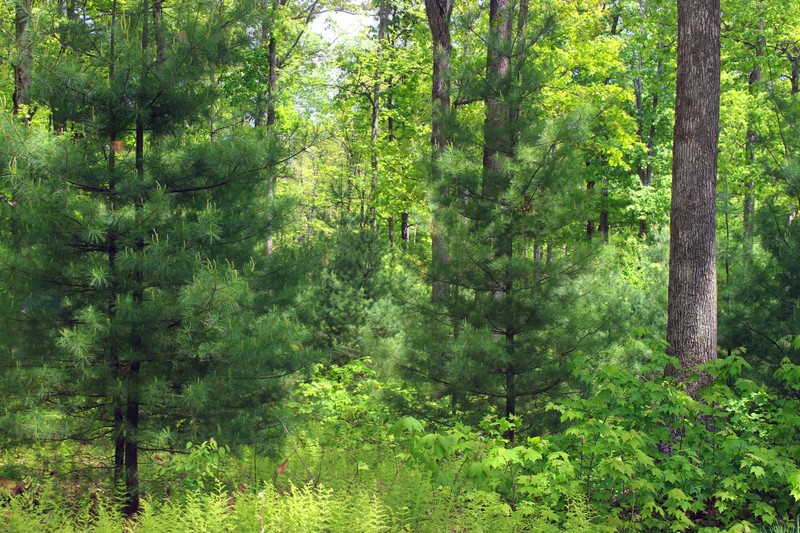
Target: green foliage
(638, 455)
(197, 468)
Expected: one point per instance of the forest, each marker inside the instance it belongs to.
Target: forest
(391, 265)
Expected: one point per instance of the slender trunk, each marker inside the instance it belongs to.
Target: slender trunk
(404, 227)
(271, 117)
(692, 307)
(266, 110)
(132, 368)
(498, 145)
(603, 224)
(24, 60)
(383, 22)
(131, 506)
(590, 228)
(111, 238)
(749, 201)
(645, 169)
(439, 13)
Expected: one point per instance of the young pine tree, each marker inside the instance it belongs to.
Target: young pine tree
(126, 272)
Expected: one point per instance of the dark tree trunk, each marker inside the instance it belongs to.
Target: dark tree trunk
(404, 227)
(590, 227)
(130, 370)
(118, 402)
(23, 61)
(692, 307)
(439, 13)
(132, 492)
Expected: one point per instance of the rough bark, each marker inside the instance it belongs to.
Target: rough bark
(439, 13)
(692, 307)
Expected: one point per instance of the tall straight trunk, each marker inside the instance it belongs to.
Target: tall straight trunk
(266, 113)
(692, 304)
(749, 201)
(498, 142)
(118, 428)
(404, 227)
(24, 60)
(383, 23)
(271, 117)
(645, 169)
(133, 367)
(439, 13)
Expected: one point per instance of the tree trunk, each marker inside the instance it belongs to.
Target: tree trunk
(439, 13)
(118, 428)
(271, 117)
(265, 109)
(749, 202)
(383, 23)
(404, 226)
(692, 307)
(590, 228)
(498, 141)
(23, 61)
(131, 369)
(645, 169)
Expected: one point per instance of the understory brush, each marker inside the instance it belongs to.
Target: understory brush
(633, 453)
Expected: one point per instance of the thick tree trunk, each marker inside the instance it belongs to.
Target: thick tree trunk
(692, 308)
(23, 62)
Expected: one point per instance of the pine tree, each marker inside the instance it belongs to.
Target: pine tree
(133, 233)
